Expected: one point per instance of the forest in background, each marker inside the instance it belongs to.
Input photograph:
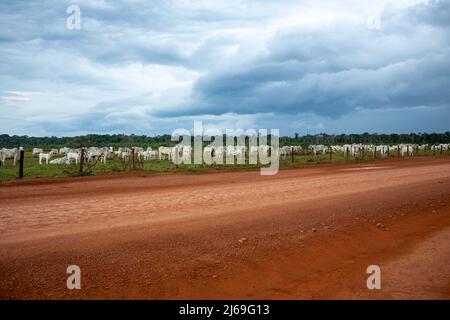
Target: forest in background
(123, 140)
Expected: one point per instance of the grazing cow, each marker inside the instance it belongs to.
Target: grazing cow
(72, 156)
(443, 147)
(138, 149)
(121, 150)
(125, 155)
(406, 149)
(142, 155)
(147, 155)
(423, 147)
(66, 150)
(384, 150)
(9, 154)
(44, 156)
(318, 148)
(97, 153)
(356, 149)
(36, 151)
(297, 149)
(163, 151)
(284, 151)
(335, 149)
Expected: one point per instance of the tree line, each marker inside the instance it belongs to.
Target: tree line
(123, 140)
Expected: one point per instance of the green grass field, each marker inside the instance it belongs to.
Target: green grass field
(32, 168)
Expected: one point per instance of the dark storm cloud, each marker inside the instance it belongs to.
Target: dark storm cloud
(135, 63)
(338, 69)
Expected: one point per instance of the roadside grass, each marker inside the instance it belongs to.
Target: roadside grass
(33, 170)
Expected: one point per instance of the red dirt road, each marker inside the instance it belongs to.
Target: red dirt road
(304, 233)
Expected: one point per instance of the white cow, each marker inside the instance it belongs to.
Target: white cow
(297, 149)
(72, 156)
(9, 154)
(163, 151)
(284, 151)
(44, 156)
(147, 155)
(36, 151)
(121, 150)
(406, 149)
(318, 148)
(443, 147)
(97, 153)
(62, 160)
(125, 155)
(356, 149)
(384, 150)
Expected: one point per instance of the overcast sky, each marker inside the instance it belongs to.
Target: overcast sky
(149, 67)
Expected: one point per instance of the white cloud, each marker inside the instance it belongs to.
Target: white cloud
(19, 96)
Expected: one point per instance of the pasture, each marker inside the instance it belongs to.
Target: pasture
(114, 165)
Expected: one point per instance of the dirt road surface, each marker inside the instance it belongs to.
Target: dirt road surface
(307, 233)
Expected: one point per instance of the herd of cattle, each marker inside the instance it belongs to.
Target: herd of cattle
(68, 155)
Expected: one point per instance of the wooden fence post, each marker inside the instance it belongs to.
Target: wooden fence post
(407, 151)
(132, 154)
(21, 161)
(346, 153)
(375, 152)
(176, 155)
(292, 154)
(81, 161)
(398, 151)
(441, 150)
(331, 153)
